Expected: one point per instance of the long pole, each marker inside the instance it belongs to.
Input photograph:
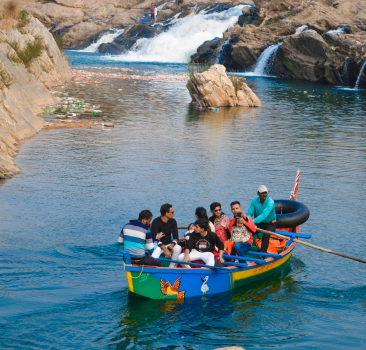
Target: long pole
(313, 246)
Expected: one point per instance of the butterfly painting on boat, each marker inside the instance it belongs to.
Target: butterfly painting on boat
(168, 289)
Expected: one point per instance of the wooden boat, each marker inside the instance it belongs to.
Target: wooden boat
(180, 283)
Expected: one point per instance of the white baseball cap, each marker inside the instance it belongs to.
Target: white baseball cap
(262, 189)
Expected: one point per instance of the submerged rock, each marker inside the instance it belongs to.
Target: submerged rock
(213, 88)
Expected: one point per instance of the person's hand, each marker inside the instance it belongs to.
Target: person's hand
(223, 223)
(160, 235)
(221, 259)
(187, 259)
(167, 253)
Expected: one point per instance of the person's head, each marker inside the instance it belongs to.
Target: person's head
(145, 217)
(167, 211)
(215, 208)
(201, 213)
(235, 207)
(262, 193)
(239, 219)
(201, 226)
(191, 226)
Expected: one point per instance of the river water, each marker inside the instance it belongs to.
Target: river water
(61, 285)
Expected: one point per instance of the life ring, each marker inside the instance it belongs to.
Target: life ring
(290, 213)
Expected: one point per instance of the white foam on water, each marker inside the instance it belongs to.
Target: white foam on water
(301, 29)
(183, 38)
(359, 76)
(106, 38)
(339, 30)
(265, 62)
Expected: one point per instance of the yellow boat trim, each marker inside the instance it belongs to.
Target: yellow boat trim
(239, 275)
(129, 280)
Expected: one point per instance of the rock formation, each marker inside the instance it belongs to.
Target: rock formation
(273, 22)
(213, 88)
(30, 63)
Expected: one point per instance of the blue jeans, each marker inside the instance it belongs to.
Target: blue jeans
(242, 248)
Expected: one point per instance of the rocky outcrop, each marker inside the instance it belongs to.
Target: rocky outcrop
(314, 55)
(213, 88)
(308, 57)
(30, 63)
(80, 21)
(129, 38)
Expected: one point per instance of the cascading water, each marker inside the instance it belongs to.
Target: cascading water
(222, 48)
(345, 73)
(301, 29)
(183, 38)
(106, 38)
(339, 30)
(359, 76)
(265, 61)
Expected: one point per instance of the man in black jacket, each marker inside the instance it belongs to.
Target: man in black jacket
(201, 245)
(166, 225)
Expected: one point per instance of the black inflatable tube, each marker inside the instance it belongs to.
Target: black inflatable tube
(290, 213)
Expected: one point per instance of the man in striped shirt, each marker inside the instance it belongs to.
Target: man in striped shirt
(137, 238)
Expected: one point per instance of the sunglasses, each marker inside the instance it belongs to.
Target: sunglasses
(217, 210)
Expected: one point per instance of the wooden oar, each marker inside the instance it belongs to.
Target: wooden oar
(312, 246)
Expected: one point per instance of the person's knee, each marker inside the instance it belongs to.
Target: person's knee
(177, 249)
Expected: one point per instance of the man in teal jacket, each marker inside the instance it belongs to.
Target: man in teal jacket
(262, 210)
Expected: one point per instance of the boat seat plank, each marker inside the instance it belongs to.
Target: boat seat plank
(293, 234)
(259, 261)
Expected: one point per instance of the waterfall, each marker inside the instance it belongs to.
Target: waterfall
(265, 61)
(339, 30)
(183, 38)
(222, 48)
(301, 29)
(106, 38)
(345, 73)
(359, 76)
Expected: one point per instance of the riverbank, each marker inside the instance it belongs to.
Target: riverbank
(30, 63)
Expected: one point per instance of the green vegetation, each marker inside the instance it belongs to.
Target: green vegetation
(237, 82)
(273, 20)
(31, 51)
(59, 41)
(12, 57)
(23, 19)
(292, 65)
(5, 77)
(195, 67)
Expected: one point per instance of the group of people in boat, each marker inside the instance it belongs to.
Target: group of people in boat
(146, 239)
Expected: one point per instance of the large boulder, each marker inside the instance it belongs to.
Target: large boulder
(307, 56)
(128, 39)
(213, 88)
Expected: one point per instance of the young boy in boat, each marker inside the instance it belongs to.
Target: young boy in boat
(137, 238)
(201, 245)
(248, 222)
(183, 240)
(241, 237)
